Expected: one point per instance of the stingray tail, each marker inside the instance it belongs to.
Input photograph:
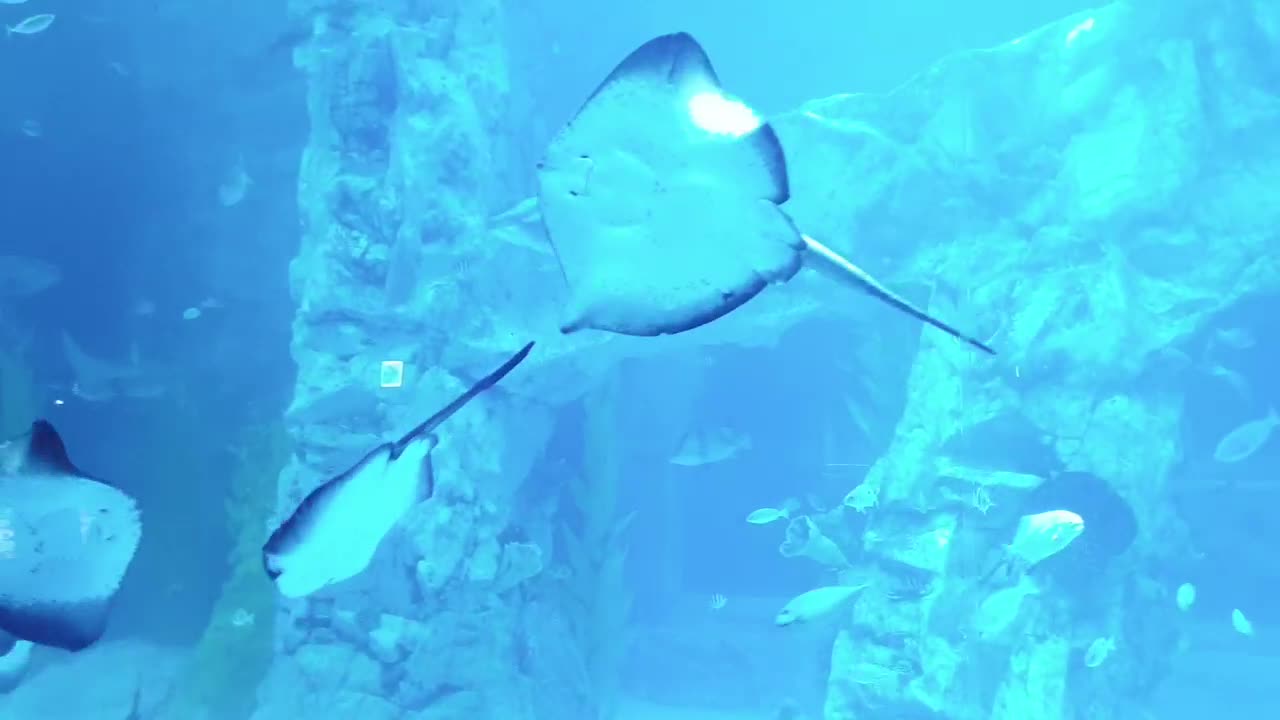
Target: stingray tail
(829, 262)
(485, 383)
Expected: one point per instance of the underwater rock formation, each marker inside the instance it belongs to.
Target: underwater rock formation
(406, 102)
(1093, 189)
(1062, 189)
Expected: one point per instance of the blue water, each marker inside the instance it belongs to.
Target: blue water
(122, 122)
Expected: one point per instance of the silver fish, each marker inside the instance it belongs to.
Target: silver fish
(32, 25)
(1244, 441)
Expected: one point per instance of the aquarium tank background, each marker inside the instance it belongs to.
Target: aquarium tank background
(246, 245)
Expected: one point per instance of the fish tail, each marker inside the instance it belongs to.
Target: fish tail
(831, 263)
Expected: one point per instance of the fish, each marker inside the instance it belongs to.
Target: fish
(334, 532)
(707, 447)
(1098, 651)
(1234, 338)
(232, 190)
(814, 604)
(1186, 596)
(98, 380)
(1244, 441)
(72, 537)
(15, 658)
(662, 197)
(1113, 524)
(1038, 537)
(1045, 534)
(1237, 381)
(25, 276)
(998, 610)
(764, 516)
(31, 26)
(1241, 623)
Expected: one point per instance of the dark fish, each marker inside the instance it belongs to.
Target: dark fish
(334, 532)
(66, 540)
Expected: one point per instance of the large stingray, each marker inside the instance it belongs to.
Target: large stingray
(66, 540)
(662, 199)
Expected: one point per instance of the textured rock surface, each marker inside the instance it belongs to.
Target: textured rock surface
(101, 688)
(1064, 191)
(405, 103)
(1094, 191)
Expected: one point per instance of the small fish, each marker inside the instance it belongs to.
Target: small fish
(1098, 652)
(242, 618)
(191, 313)
(1232, 378)
(1241, 623)
(706, 447)
(234, 188)
(814, 604)
(334, 532)
(22, 276)
(31, 128)
(764, 516)
(211, 303)
(1045, 534)
(717, 602)
(999, 609)
(1235, 338)
(31, 26)
(15, 660)
(1244, 441)
(60, 578)
(1186, 596)
(1037, 538)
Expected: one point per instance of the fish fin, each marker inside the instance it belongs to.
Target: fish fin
(675, 70)
(830, 263)
(46, 451)
(68, 626)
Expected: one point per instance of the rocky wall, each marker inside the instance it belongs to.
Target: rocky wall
(406, 102)
(1088, 196)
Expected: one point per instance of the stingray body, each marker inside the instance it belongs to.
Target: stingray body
(336, 529)
(662, 199)
(66, 541)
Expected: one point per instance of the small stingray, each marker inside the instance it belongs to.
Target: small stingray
(662, 200)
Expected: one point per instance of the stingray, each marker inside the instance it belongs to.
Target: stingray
(66, 540)
(334, 532)
(662, 199)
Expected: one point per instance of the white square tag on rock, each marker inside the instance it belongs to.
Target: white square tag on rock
(392, 374)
